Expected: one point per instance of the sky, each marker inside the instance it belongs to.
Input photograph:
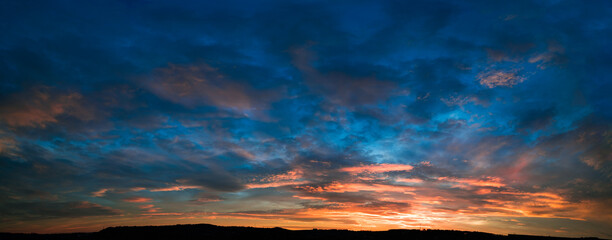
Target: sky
(487, 116)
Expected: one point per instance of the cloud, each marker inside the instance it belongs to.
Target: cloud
(53, 210)
(368, 115)
(202, 85)
(496, 78)
(174, 188)
(290, 178)
(344, 187)
(554, 53)
(8, 145)
(137, 200)
(42, 106)
(338, 87)
(484, 182)
(217, 180)
(378, 168)
(101, 193)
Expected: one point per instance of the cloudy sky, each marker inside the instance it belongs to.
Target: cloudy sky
(367, 115)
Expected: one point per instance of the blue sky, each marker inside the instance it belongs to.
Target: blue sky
(472, 115)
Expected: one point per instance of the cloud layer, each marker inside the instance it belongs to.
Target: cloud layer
(468, 115)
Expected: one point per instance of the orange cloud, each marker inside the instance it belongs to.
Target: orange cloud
(378, 168)
(290, 178)
(357, 187)
(174, 188)
(470, 182)
(101, 193)
(137, 199)
(275, 184)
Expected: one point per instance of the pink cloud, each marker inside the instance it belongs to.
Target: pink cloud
(494, 79)
(8, 145)
(101, 193)
(42, 106)
(378, 168)
(290, 175)
(199, 85)
(554, 51)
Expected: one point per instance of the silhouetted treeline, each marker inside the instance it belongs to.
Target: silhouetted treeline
(207, 231)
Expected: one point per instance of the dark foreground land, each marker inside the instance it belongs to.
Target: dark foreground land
(207, 231)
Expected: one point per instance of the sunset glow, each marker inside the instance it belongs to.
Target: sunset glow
(491, 116)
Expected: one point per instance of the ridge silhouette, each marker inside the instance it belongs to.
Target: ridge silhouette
(208, 231)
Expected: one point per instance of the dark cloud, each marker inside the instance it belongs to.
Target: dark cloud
(338, 87)
(536, 119)
(53, 210)
(215, 180)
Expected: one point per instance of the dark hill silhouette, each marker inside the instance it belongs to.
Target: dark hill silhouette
(207, 231)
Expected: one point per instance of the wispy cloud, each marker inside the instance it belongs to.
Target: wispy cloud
(137, 200)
